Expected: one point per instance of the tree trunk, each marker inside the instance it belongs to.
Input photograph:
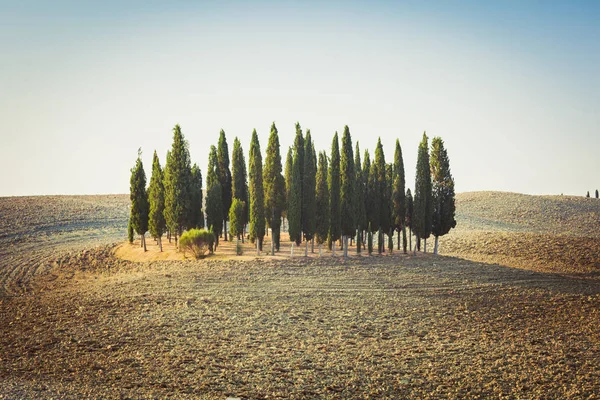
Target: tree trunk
(312, 245)
(292, 250)
(225, 230)
(435, 247)
(272, 245)
(306, 248)
(243, 233)
(320, 250)
(404, 239)
(398, 246)
(333, 248)
(410, 238)
(345, 246)
(425, 245)
(257, 248)
(160, 243)
(144, 242)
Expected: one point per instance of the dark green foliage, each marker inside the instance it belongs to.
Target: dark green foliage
(596, 193)
(388, 226)
(177, 176)
(335, 225)
(322, 200)
(360, 192)
(295, 201)
(289, 166)
(398, 192)
(129, 231)
(588, 194)
(197, 242)
(196, 216)
(236, 217)
(139, 199)
(239, 177)
(309, 190)
(274, 186)
(156, 199)
(256, 191)
(214, 193)
(409, 215)
(423, 202)
(224, 175)
(347, 186)
(373, 202)
(443, 189)
(385, 218)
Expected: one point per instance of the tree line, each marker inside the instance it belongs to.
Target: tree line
(328, 199)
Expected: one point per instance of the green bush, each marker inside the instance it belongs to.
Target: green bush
(197, 242)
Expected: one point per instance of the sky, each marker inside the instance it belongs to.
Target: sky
(512, 87)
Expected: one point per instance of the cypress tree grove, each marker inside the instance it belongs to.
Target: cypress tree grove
(444, 207)
(197, 216)
(274, 188)
(347, 191)
(423, 202)
(156, 198)
(214, 192)
(295, 203)
(289, 166)
(335, 225)
(177, 177)
(361, 211)
(224, 178)
(398, 196)
(239, 178)
(256, 193)
(409, 215)
(322, 201)
(139, 199)
(309, 192)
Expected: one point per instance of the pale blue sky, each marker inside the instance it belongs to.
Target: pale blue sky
(513, 87)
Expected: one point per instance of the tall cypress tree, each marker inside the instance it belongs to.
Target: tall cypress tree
(274, 188)
(177, 176)
(361, 211)
(156, 198)
(335, 225)
(256, 192)
(289, 166)
(423, 202)
(374, 195)
(596, 193)
(409, 215)
(224, 178)
(139, 199)
(322, 200)
(398, 194)
(239, 178)
(368, 195)
(309, 191)
(299, 155)
(383, 204)
(443, 191)
(214, 200)
(295, 203)
(197, 216)
(347, 189)
(389, 179)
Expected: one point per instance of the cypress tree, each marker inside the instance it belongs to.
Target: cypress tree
(197, 216)
(347, 191)
(367, 197)
(383, 205)
(443, 191)
(389, 226)
(156, 198)
(177, 176)
(295, 203)
(322, 200)
(309, 191)
(374, 197)
(139, 199)
(423, 202)
(299, 148)
(588, 194)
(256, 192)
(214, 200)
(239, 178)
(289, 166)
(409, 215)
(335, 225)
(596, 193)
(274, 188)
(398, 194)
(236, 218)
(361, 212)
(129, 230)
(224, 178)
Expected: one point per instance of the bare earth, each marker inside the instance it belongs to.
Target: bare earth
(89, 324)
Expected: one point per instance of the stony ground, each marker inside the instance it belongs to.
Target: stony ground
(89, 325)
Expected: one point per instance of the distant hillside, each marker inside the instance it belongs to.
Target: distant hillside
(549, 233)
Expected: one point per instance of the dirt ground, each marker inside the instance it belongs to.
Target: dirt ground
(90, 323)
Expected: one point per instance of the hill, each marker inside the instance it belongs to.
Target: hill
(545, 233)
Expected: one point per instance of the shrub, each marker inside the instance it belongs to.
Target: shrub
(197, 242)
